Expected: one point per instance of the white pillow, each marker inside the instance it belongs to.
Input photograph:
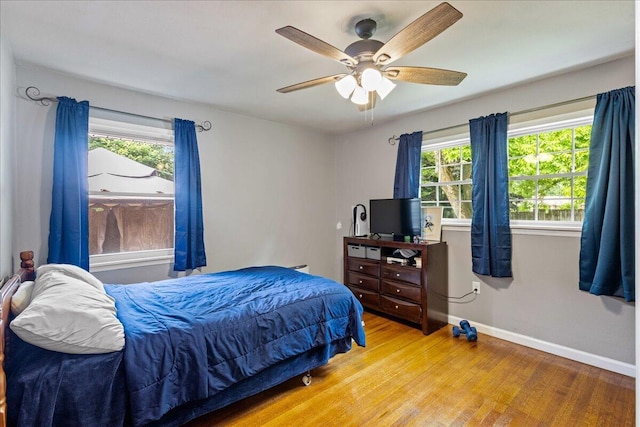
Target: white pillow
(68, 315)
(21, 299)
(71, 271)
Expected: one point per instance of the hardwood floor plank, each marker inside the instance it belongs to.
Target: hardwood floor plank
(404, 378)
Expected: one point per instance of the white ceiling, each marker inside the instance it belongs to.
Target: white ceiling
(227, 54)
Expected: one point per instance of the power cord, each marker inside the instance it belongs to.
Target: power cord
(448, 298)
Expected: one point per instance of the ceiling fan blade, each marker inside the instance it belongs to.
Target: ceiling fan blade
(369, 105)
(424, 75)
(418, 33)
(315, 44)
(311, 83)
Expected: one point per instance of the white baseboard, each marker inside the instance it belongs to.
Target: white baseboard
(558, 350)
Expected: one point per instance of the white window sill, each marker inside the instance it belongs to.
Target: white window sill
(118, 261)
(561, 229)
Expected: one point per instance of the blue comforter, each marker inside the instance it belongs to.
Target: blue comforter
(188, 339)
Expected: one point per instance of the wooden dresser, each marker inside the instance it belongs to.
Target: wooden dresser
(414, 293)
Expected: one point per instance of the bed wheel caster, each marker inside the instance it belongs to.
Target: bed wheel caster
(306, 379)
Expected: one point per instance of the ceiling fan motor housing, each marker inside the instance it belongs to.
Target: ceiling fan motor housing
(366, 28)
(363, 49)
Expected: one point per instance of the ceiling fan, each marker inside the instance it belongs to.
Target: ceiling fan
(367, 60)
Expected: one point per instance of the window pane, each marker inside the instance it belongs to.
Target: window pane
(580, 187)
(522, 145)
(466, 153)
(448, 211)
(558, 140)
(522, 189)
(522, 166)
(450, 173)
(578, 208)
(450, 155)
(157, 156)
(555, 163)
(521, 210)
(467, 191)
(428, 194)
(466, 210)
(449, 193)
(429, 158)
(466, 171)
(583, 136)
(554, 187)
(555, 210)
(582, 160)
(429, 175)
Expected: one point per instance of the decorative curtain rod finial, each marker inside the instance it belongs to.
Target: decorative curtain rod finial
(33, 93)
(393, 140)
(205, 126)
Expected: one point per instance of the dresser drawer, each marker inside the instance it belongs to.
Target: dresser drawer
(367, 298)
(363, 266)
(363, 281)
(406, 310)
(400, 290)
(405, 274)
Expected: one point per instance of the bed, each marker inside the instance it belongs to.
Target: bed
(192, 345)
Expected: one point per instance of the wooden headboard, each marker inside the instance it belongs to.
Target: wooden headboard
(25, 273)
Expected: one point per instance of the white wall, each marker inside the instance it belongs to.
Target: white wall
(268, 189)
(7, 147)
(542, 301)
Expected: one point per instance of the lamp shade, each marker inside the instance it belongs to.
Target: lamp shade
(384, 87)
(370, 79)
(360, 96)
(345, 86)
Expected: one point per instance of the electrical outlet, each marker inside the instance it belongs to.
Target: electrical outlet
(475, 287)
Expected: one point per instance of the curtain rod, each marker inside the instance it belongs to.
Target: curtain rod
(33, 93)
(394, 138)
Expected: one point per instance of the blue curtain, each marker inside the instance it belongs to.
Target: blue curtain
(607, 248)
(189, 239)
(69, 220)
(490, 232)
(407, 179)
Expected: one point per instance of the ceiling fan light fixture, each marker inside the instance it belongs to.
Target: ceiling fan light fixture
(346, 85)
(385, 87)
(370, 79)
(360, 96)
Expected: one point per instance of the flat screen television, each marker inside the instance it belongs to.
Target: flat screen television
(399, 217)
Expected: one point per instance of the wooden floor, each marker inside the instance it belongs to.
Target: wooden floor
(404, 378)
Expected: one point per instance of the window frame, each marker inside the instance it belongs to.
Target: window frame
(152, 131)
(577, 118)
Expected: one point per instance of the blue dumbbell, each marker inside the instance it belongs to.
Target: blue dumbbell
(467, 329)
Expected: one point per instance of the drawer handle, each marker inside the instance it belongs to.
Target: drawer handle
(397, 274)
(360, 267)
(398, 290)
(396, 307)
(360, 296)
(360, 281)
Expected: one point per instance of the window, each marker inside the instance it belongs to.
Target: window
(547, 173)
(131, 203)
(446, 180)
